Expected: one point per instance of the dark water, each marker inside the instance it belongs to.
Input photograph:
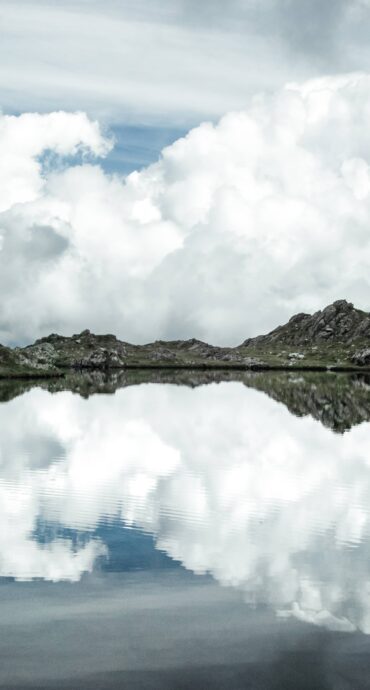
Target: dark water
(187, 532)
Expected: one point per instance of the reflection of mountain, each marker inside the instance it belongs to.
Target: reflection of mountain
(226, 481)
(339, 401)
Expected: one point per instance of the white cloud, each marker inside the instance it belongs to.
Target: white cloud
(236, 227)
(25, 138)
(246, 503)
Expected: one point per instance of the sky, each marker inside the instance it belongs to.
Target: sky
(179, 169)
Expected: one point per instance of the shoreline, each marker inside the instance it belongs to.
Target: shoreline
(186, 367)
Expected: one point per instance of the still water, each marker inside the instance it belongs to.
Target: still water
(192, 531)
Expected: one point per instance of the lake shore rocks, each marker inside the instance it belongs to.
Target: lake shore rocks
(361, 358)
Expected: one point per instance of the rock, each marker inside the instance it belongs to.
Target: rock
(13, 363)
(339, 322)
(361, 358)
(162, 355)
(100, 359)
(250, 362)
(42, 355)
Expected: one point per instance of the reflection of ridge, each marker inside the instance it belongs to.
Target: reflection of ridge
(99, 382)
(338, 401)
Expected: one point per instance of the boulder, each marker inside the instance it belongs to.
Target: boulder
(361, 358)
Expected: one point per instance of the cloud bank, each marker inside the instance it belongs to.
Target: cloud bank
(236, 227)
(248, 504)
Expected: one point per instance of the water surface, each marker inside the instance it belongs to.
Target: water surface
(185, 531)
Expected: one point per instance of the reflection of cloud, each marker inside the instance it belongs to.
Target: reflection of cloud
(227, 481)
(322, 618)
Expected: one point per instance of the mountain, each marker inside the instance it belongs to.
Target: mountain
(338, 337)
(339, 323)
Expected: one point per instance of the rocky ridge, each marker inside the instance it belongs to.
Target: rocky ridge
(339, 323)
(338, 337)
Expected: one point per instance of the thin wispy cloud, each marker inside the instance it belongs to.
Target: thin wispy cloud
(148, 62)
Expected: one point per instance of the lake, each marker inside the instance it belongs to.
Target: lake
(193, 530)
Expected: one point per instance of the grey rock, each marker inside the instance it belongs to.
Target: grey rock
(361, 358)
(100, 359)
(42, 355)
(339, 322)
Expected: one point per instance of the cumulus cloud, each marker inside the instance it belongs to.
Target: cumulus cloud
(250, 507)
(25, 138)
(236, 227)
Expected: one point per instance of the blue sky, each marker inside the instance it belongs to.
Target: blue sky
(138, 146)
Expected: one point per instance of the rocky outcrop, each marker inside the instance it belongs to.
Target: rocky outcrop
(105, 352)
(13, 364)
(340, 322)
(80, 351)
(361, 358)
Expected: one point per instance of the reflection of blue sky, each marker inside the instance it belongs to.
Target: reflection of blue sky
(221, 479)
(127, 549)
